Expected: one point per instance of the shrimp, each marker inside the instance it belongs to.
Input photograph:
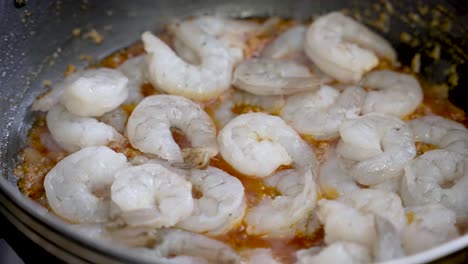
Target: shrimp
(148, 127)
(74, 132)
(257, 256)
(335, 253)
(231, 32)
(345, 49)
(345, 223)
(376, 146)
(172, 74)
(53, 97)
(288, 45)
(398, 94)
(95, 92)
(151, 195)
(441, 132)
(263, 76)
(116, 118)
(78, 187)
(437, 176)
(390, 185)
(430, 225)
(387, 246)
(321, 113)
(333, 179)
(282, 215)
(382, 203)
(267, 104)
(134, 70)
(221, 205)
(256, 144)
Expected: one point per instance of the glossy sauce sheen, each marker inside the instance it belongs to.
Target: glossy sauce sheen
(38, 159)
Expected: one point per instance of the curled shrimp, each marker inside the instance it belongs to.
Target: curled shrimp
(376, 146)
(337, 252)
(134, 69)
(221, 205)
(288, 45)
(345, 49)
(256, 144)
(265, 76)
(437, 176)
(95, 92)
(398, 94)
(431, 225)
(333, 178)
(387, 246)
(321, 113)
(151, 195)
(172, 74)
(282, 215)
(441, 132)
(74, 132)
(149, 125)
(267, 104)
(231, 32)
(78, 187)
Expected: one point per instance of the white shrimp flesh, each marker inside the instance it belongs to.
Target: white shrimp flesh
(345, 49)
(258, 256)
(95, 92)
(437, 176)
(321, 113)
(78, 187)
(377, 147)
(169, 72)
(263, 76)
(288, 45)
(430, 225)
(151, 195)
(149, 127)
(134, 69)
(335, 253)
(221, 204)
(256, 144)
(74, 132)
(397, 94)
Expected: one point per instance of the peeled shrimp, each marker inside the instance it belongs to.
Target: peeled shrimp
(279, 216)
(335, 253)
(430, 225)
(333, 178)
(149, 125)
(74, 132)
(177, 246)
(387, 246)
(53, 97)
(441, 132)
(134, 69)
(221, 205)
(376, 146)
(95, 92)
(172, 74)
(264, 76)
(345, 49)
(256, 144)
(78, 187)
(151, 195)
(288, 45)
(398, 94)
(345, 223)
(382, 203)
(268, 104)
(258, 256)
(321, 113)
(231, 32)
(437, 176)
(116, 118)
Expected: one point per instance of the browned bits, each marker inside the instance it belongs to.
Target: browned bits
(94, 36)
(71, 68)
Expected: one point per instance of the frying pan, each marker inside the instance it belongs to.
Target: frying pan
(36, 44)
